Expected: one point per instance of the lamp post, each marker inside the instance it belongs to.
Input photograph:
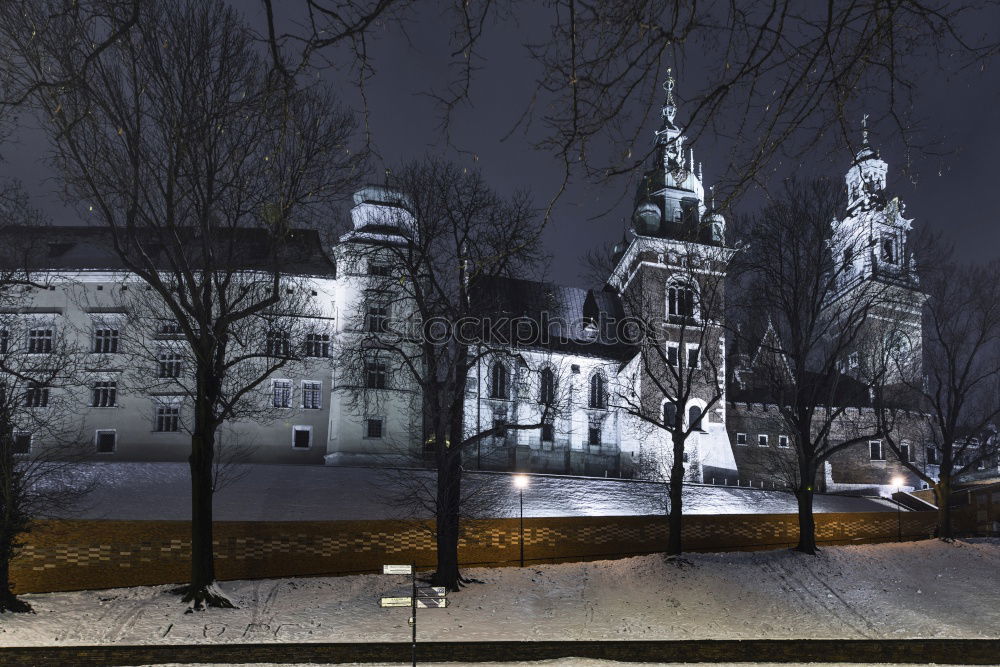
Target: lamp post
(521, 483)
(898, 483)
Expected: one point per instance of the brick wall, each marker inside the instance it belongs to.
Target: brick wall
(74, 555)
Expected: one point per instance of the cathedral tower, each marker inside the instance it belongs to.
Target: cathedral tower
(669, 272)
(872, 250)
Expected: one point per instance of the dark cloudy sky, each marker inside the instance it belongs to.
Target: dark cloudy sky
(957, 191)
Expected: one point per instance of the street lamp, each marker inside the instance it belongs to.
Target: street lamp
(521, 483)
(897, 481)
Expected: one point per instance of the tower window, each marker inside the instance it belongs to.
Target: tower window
(669, 414)
(680, 300)
(694, 418)
(888, 250)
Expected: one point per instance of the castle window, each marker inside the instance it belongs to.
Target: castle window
(598, 392)
(888, 250)
(281, 393)
(105, 340)
(548, 431)
(499, 381)
(782, 441)
(694, 356)
(672, 353)
(547, 389)
(317, 345)
(105, 394)
(694, 418)
(875, 449)
(169, 365)
(669, 414)
(277, 343)
(22, 442)
(680, 300)
(167, 418)
(373, 428)
(594, 436)
(312, 395)
(36, 395)
(377, 317)
(376, 374)
(106, 441)
(932, 456)
(762, 440)
(302, 437)
(741, 438)
(40, 340)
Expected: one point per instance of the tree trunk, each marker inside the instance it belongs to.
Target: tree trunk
(942, 493)
(8, 601)
(448, 500)
(201, 591)
(675, 519)
(807, 522)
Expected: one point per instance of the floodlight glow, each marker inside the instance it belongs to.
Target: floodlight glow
(521, 481)
(898, 481)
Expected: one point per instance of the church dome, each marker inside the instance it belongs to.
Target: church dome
(647, 217)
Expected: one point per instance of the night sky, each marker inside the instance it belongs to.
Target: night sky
(957, 191)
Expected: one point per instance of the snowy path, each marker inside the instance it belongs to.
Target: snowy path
(916, 589)
(297, 493)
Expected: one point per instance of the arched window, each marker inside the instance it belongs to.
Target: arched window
(680, 300)
(499, 381)
(669, 414)
(547, 390)
(598, 392)
(694, 418)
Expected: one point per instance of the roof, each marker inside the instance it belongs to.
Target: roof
(571, 320)
(90, 248)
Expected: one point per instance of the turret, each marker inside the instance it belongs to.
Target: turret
(670, 198)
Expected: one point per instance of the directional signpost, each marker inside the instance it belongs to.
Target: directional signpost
(432, 597)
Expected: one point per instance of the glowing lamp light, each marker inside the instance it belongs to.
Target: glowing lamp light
(898, 481)
(520, 481)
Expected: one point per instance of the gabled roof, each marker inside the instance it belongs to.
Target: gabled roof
(90, 248)
(573, 320)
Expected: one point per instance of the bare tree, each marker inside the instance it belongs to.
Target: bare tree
(947, 392)
(181, 142)
(815, 312)
(677, 380)
(783, 76)
(430, 256)
(40, 434)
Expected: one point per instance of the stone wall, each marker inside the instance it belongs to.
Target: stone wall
(74, 555)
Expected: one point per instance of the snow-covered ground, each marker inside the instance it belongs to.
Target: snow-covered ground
(288, 492)
(905, 590)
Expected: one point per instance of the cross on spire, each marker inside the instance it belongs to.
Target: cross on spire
(864, 129)
(669, 106)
